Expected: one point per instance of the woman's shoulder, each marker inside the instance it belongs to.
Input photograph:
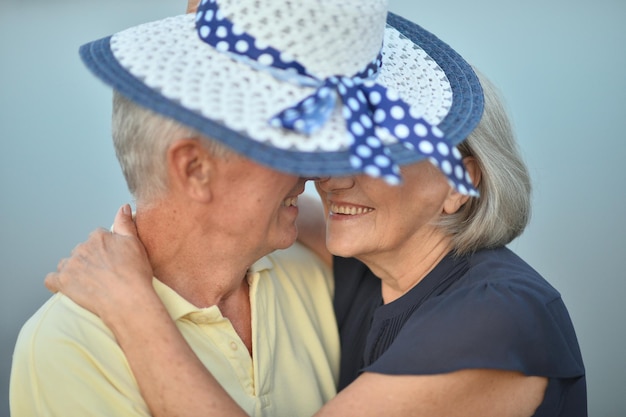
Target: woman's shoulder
(500, 272)
(499, 313)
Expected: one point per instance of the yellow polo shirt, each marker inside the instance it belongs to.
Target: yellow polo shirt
(67, 362)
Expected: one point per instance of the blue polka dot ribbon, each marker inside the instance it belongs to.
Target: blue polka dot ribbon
(367, 107)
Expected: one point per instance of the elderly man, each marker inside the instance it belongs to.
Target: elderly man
(207, 218)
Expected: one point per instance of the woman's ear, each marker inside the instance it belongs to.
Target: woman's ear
(455, 199)
(190, 167)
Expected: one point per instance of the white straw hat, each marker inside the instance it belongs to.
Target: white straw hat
(308, 87)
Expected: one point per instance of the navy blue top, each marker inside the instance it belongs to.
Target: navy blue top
(487, 310)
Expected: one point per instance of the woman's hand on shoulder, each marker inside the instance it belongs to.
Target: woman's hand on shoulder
(108, 272)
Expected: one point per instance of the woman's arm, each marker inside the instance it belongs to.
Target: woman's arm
(111, 276)
(466, 393)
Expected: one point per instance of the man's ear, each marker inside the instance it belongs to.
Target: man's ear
(190, 167)
(455, 199)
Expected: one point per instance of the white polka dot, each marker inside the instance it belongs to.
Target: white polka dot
(456, 153)
(237, 30)
(299, 125)
(222, 46)
(372, 171)
(462, 189)
(379, 115)
(366, 121)
(208, 16)
(392, 179)
(342, 89)
(205, 31)
(219, 15)
(308, 103)
(420, 130)
(260, 45)
(286, 58)
(221, 32)
(241, 46)
(446, 167)
(416, 112)
(373, 142)
(363, 151)
(347, 82)
(347, 113)
(275, 122)
(357, 129)
(361, 96)
(375, 98)
(443, 149)
(397, 112)
(437, 132)
(265, 59)
(392, 95)
(291, 73)
(382, 161)
(458, 172)
(355, 161)
(433, 161)
(408, 145)
(324, 92)
(426, 147)
(353, 103)
(290, 114)
(401, 131)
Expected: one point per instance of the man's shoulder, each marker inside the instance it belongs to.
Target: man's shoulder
(58, 321)
(298, 268)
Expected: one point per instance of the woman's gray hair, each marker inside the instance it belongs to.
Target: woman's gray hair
(141, 139)
(502, 211)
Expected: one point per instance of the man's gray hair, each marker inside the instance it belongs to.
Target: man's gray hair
(502, 211)
(141, 139)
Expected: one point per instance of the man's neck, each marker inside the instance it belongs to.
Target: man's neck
(204, 268)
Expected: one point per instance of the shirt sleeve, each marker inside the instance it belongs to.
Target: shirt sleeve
(509, 326)
(67, 363)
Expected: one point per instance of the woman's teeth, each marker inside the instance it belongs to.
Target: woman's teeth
(349, 210)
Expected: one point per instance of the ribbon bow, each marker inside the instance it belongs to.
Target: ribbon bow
(367, 107)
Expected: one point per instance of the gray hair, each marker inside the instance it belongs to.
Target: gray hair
(502, 211)
(141, 139)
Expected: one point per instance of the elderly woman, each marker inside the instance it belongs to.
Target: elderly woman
(425, 285)
(436, 315)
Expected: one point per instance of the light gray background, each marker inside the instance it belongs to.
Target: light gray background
(560, 65)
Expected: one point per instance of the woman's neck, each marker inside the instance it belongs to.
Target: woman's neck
(404, 268)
